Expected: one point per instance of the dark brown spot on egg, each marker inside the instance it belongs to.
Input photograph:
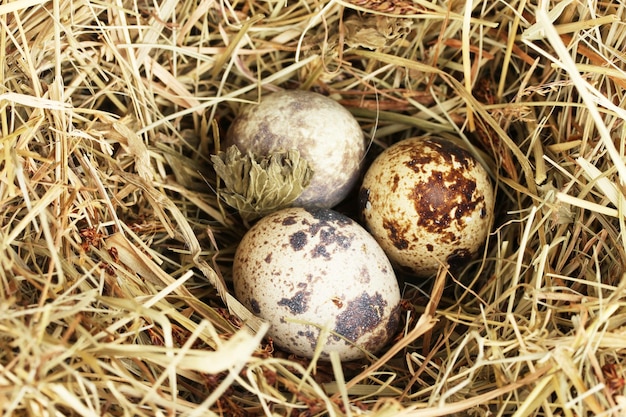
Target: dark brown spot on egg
(298, 240)
(394, 320)
(447, 196)
(310, 336)
(344, 241)
(337, 301)
(268, 258)
(452, 152)
(330, 235)
(376, 340)
(254, 305)
(297, 304)
(396, 180)
(327, 236)
(289, 220)
(416, 156)
(396, 233)
(362, 314)
(329, 226)
(320, 250)
(326, 216)
(382, 336)
(429, 247)
(415, 164)
(435, 151)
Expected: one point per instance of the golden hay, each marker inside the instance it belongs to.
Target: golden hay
(115, 250)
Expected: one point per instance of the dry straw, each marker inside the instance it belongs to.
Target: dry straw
(115, 250)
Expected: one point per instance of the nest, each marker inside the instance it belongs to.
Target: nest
(116, 251)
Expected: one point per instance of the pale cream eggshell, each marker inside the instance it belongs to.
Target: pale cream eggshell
(303, 270)
(323, 131)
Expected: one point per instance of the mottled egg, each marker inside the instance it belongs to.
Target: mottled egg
(428, 202)
(318, 277)
(323, 131)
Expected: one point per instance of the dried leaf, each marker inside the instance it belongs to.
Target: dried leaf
(374, 32)
(258, 185)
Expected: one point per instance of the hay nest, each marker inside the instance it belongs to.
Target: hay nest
(115, 249)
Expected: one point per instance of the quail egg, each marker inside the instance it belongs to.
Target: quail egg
(320, 280)
(429, 203)
(326, 135)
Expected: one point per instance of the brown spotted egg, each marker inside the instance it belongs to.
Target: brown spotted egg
(322, 130)
(318, 278)
(428, 202)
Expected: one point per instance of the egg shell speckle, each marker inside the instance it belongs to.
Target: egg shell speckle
(323, 131)
(320, 267)
(428, 202)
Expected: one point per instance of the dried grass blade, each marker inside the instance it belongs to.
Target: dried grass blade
(566, 364)
(154, 31)
(602, 183)
(537, 396)
(140, 263)
(587, 205)
(33, 101)
(232, 353)
(589, 95)
(424, 324)
(14, 6)
(170, 82)
(39, 207)
(460, 406)
(467, 61)
(232, 46)
(510, 47)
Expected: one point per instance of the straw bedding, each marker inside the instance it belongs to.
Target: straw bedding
(116, 250)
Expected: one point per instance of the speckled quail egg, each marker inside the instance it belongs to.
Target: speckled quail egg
(327, 136)
(428, 202)
(319, 279)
